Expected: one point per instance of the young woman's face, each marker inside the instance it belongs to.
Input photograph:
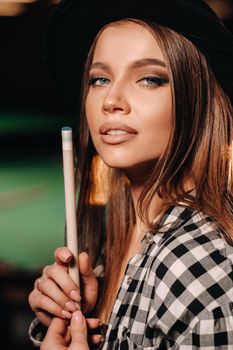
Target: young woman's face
(129, 103)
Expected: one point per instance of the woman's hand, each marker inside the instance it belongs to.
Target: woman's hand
(62, 337)
(55, 293)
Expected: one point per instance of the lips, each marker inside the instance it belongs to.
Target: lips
(115, 129)
(116, 133)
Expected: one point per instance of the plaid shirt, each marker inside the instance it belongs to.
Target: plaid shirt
(178, 292)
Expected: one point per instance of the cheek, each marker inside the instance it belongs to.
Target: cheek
(157, 112)
(90, 108)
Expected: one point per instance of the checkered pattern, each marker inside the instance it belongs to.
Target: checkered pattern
(178, 293)
(37, 332)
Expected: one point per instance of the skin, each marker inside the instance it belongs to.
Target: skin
(129, 88)
(129, 111)
(123, 93)
(60, 337)
(55, 289)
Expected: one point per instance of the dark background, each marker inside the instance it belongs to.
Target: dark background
(31, 183)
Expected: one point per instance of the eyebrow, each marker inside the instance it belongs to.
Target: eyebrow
(148, 62)
(134, 65)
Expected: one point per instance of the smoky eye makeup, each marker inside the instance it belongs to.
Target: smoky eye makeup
(151, 76)
(152, 80)
(146, 75)
(97, 80)
(98, 77)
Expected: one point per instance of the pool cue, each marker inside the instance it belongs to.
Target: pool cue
(70, 201)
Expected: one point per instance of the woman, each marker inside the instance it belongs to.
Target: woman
(155, 197)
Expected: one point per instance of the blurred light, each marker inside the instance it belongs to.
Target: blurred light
(223, 8)
(100, 183)
(10, 8)
(16, 1)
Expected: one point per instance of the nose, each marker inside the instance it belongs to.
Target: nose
(116, 100)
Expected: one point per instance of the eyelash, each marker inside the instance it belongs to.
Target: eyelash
(93, 81)
(152, 81)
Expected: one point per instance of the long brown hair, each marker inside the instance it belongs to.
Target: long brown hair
(199, 148)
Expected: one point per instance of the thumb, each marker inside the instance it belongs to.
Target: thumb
(56, 334)
(78, 330)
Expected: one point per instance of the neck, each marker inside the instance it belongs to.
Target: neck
(154, 210)
(138, 177)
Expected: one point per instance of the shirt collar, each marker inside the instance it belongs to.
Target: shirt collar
(174, 217)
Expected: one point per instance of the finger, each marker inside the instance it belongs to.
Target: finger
(89, 283)
(37, 282)
(78, 329)
(44, 318)
(49, 288)
(95, 339)
(63, 255)
(41, 302)
(47, 268)
(85, 267)
(93, 323)
(63, 280)
(58, 327)
(56, 335)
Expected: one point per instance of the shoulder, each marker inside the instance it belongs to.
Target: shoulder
(194, 263)
(195, 240)
(192, 274)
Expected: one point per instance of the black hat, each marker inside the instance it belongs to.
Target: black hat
(75, 23)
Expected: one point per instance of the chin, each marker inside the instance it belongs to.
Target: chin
(127, 160)
(124, 164)
(116, 165)
(130, 167)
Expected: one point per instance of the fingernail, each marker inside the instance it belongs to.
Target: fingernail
(66, 314)
(70, 306)
(38, 282)
(66, 256)
(78, 317)
(75, 295)
(101, 338)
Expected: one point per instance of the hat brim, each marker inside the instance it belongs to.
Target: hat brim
(75, 24)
